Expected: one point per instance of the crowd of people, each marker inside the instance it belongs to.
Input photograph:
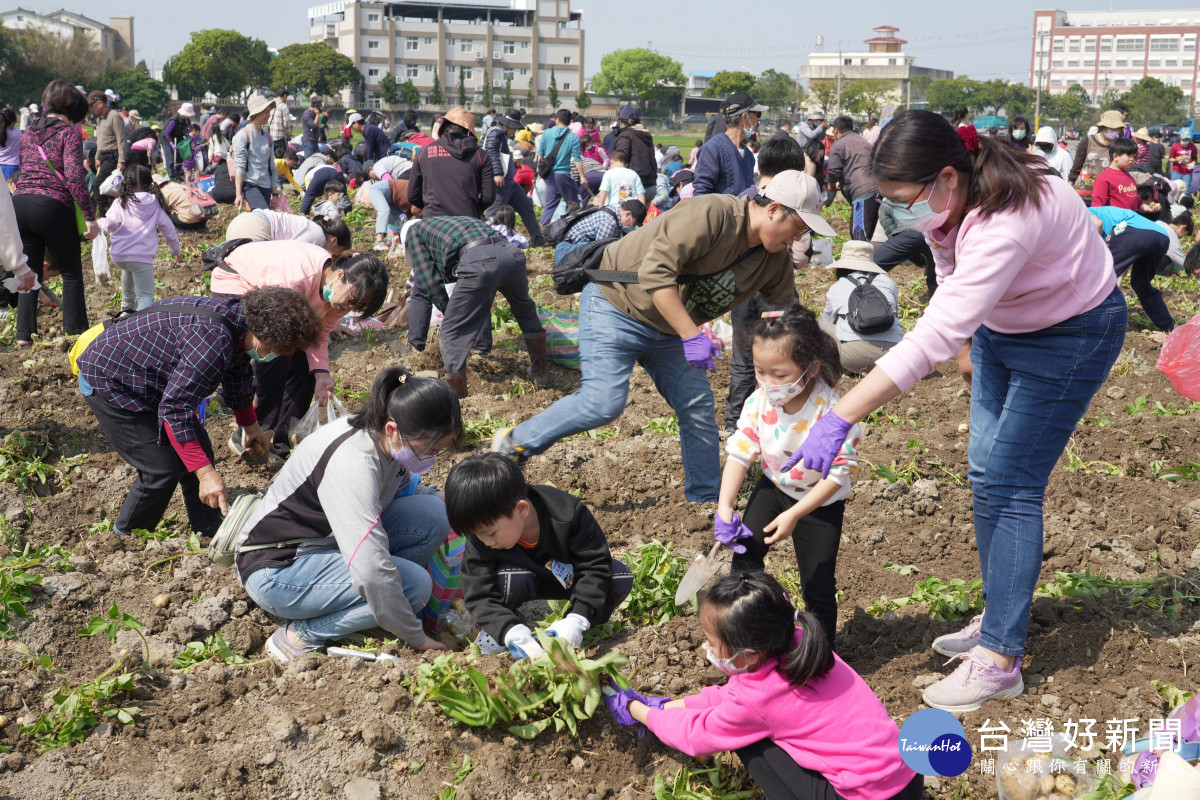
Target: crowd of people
(1023, 249)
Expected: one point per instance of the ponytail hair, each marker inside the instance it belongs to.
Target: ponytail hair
(751, 611)
(797, 330)
(8, 118)
(917, 145)
(335, 228)
(424, 409)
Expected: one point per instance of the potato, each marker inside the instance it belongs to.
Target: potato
(1047, 784)
(1019, 784)
(161, 601)
(1065, 784)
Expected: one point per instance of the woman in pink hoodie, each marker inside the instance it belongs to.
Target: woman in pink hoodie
(133, 224)
(785, 708)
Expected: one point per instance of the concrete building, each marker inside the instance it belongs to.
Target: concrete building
(885, 59)
(522, 41)
(1102, 50)
(115, 38)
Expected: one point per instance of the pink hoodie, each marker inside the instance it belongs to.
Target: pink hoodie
(1015, 272)
(290, 264)
(132, 231)
(834, 724)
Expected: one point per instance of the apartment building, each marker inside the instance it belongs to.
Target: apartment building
(522, 41)
(1103, 50)
(115, 39)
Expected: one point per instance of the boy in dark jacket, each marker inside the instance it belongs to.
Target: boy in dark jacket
(452, 177)
(634, 139)
(526, 542)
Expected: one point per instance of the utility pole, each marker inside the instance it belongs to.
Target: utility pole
(839, 81)
(1037, 103)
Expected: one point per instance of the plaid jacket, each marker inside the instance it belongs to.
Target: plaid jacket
(595, 227)
(167, 362)
(431, 249)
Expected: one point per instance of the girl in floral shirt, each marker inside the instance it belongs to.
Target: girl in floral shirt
(797, 365)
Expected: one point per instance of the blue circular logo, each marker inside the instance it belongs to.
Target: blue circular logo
(933, 742)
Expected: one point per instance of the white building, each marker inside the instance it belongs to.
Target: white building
(884, 58)
(519, 41)
(115, 38)
(1102, 50)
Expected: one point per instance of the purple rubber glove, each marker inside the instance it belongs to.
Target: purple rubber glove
(727, 533)
(618, 705)
(824, 442)
(699, 351)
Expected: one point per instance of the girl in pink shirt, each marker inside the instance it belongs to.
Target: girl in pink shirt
(785, 708)
(1029, 301)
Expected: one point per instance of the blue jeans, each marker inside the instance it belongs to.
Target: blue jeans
(316, 588)
(380, 194)
(310, 146)
(562, 248)
(562, 187)
(1028, 392)
(610, 343)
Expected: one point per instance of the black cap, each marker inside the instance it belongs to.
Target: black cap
(635, 207)
(740, 103)
(681, 176)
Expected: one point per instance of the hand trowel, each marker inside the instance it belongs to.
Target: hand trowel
(702, 568)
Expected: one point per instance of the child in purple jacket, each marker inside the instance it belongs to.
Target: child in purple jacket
(786, 705)
(133, 224)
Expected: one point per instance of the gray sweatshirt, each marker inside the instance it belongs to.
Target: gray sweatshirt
(334, 488)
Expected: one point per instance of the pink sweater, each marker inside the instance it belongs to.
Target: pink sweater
(290, 264)
(133, 232)
(835, 725)
(1015, 272)
(293, 226)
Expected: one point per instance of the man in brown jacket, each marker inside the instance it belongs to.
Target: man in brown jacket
(707, 255)
(112, 145)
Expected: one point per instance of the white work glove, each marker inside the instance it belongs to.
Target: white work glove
(571, 627)
(521, 644)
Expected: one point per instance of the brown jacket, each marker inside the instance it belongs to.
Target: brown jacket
(111, 135)
(1096, 143)
(399, 189)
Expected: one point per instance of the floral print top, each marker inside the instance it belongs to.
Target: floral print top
(771, 436)
(63, 145)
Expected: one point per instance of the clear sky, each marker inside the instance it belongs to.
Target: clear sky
(985, 40)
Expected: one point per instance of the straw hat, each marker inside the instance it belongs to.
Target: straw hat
(460, 116)
(856, 256)
(1142, 133)
(1112, 120)
(257, 105)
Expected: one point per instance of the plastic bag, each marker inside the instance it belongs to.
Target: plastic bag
(111, 187)
(1180, 359)
(308, 424)
(100, 260)
(444, 569)
(1026, 773)
(822, 252)
(562, 336)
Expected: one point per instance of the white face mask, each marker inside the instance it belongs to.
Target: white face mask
(724, 664)
(779, 395)
(1018, 134)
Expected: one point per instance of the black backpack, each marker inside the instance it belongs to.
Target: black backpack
(868, 310)
(556, 231)
(545, 164)
(578, 269)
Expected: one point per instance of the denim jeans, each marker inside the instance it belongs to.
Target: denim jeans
(380, 194)
(563, 248)
(310, 147)
(610, 343)
(316, 587)
(1028, 392)
(559, 187)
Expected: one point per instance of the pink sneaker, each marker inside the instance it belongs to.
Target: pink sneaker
(976, 681)
(952, 644)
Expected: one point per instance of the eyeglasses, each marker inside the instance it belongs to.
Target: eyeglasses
(431, 451)
(906, 206)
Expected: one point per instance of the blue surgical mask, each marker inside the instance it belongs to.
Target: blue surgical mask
(724, 664)
(921, 216)
(417, 465)
(254, 356)
(1018, 134)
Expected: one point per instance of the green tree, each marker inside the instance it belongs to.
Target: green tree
(409, 94)
(638, 74)
(777, 90)
(944, 95)
(223, 62)
(726, 82)
(462, 87)
(138, 90)
(20, 78)
(487, 88)
(77, 59)
(531, 96)
(1152, 102)
(583, 100)
(867, 96)
(313, 67)
(552, 92)
(388, 89)
(509, 100)
(435, 94)
(1069, 107)
(824, 91)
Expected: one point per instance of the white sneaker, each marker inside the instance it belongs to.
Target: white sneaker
(953, 644)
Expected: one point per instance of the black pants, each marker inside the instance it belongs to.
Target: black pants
(1141, 251)
(482, 271)
(517, 586)
(742, 382)
(201, 225)
(815, 538)
(316, 188)
(106, 163)
(48, 226)
(515, 195)
(781, 778)
(420, 314)
(284, 393)
(907, 246)
(135, 436)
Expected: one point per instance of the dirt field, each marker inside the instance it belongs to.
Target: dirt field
(331, 727)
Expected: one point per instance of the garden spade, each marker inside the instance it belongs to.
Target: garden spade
(703, 568)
